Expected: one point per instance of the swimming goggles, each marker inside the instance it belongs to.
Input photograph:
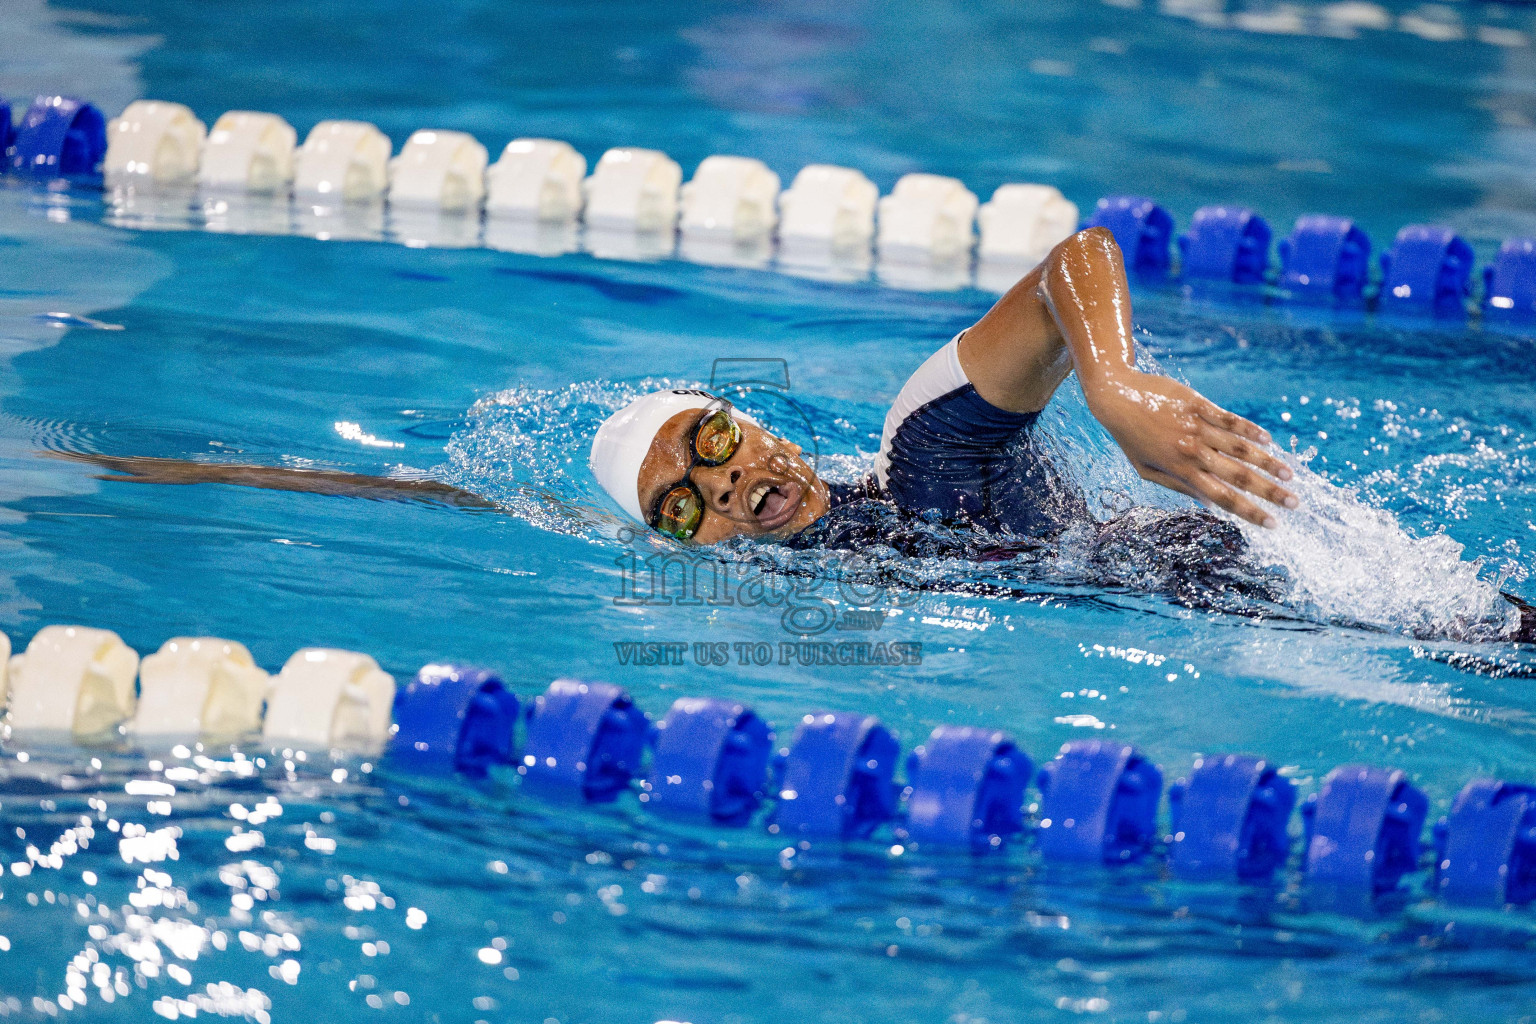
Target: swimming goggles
(680, 509)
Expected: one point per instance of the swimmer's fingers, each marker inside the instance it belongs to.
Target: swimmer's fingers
(1231, 421)
(1205, 487)
(1245, 478)
(1218, 493)
(1231, 447)
(1211, 491)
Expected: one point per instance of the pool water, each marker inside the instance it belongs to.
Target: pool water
(268, 887)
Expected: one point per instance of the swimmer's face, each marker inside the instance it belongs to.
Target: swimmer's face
(765, 490)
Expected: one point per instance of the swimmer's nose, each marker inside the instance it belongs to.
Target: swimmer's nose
(725, 489)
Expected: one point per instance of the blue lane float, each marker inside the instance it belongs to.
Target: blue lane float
(1325, 257)
(1509, 285)
(1098, 803)
(7, 131)
(1427, 270)
(1363, 829)
(835, 778)
(1230, 819)
(965, 788)
(1141, 228)
(709, 762)
(583, 740)
(60, 137)
(454, 718)
(1485, 849)
(1225, 243)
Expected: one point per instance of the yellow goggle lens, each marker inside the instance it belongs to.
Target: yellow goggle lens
(680, 513)
(716, 439)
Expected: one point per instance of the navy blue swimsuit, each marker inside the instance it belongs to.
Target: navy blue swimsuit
(970, 461)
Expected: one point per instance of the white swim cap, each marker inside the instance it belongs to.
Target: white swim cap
(624, 439)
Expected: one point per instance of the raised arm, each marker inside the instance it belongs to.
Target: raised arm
(1073, 312)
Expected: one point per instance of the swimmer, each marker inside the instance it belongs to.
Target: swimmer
(958, 440)
(958, 446)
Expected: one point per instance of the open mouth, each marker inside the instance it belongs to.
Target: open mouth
(774, 504)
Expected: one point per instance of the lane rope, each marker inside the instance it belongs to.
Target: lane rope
(251, 174)
(833, 779)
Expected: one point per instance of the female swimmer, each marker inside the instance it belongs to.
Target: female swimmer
(957, 444)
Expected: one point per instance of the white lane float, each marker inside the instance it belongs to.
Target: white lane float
(342, 161)
(200, 686)
(439, 170)
(537, 180)
(1022, 223)
(927, 217)
(633, 190)
(730, 198)
(153, 143)
(830, 207)
(249, 151)
(72, 679)
(330, 698)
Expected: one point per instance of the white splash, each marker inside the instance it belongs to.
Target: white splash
(1344, 559)
(1347, 561)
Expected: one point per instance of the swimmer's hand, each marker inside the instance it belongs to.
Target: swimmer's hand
(1178, 438)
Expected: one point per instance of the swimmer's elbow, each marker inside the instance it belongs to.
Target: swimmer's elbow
(1088, 248)
(1087, 243)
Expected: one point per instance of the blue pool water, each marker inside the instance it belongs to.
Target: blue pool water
(293, 891)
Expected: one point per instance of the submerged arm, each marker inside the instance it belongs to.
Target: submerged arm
(1073, 312)
(142, 470)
